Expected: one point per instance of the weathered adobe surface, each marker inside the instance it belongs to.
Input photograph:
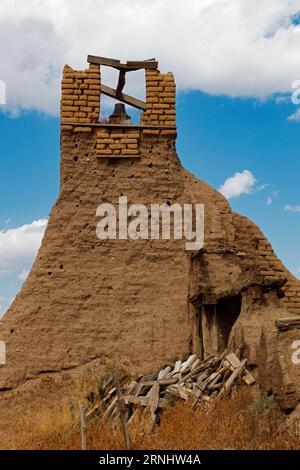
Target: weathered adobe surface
(128, 300)
(91, 302)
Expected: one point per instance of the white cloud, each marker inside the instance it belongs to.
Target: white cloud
(19, 246)
(18, 249)
(269, 201)
(290, 208)
(233, 47)
(295, 116)
(241, 183)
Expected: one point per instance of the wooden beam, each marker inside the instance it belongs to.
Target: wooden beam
(121, 82)
(290, 323)
(143, 64)
(126, 126)
(130, 66)
(106, 90)
(93, 59)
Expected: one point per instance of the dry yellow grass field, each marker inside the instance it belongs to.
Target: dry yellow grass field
(239, 421)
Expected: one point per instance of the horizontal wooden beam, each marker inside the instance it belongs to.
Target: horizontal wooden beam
(143, 64)
(127, 126)
(93, 59)
(106, 90)
(289, 323)
(130, 66)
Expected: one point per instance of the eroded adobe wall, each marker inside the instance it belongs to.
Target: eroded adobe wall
(87, 300)
(251, 241)
(247, 265)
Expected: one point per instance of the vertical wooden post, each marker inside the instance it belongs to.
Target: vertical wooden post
(121, 409)
(82, 428)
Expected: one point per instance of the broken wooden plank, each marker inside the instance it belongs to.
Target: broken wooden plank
(132, 388)
(235, 375)
(163, 373)
(112, 406)
(106, 90)
(234, 361)
(218, 376)
(153, 397)
(176, 371)
(288, 323)
(215, 386)
(185, 367)
(196, 363)
(163, 382)
(202, 382)
(143, 401)
(181, 392)
(248, 378)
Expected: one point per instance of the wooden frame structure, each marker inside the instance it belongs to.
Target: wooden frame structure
(130, 66)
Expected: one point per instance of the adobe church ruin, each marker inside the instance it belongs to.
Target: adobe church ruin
(88, 302)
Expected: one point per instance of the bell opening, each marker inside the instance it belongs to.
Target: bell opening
(135, 86)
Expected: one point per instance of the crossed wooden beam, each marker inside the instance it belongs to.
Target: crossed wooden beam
(130, 66)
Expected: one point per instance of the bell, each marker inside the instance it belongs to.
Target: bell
(119, 114)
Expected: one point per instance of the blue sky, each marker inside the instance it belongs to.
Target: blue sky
(234, 62)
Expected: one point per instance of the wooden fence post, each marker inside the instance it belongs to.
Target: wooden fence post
(121, 409)
(82, 428)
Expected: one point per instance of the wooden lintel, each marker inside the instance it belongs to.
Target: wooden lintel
(128, 67)
(93, 59)
(106, 90)
(143, 64)
(119, 126)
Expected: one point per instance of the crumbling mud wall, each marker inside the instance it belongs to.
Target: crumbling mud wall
(89, 302)
(248, 268)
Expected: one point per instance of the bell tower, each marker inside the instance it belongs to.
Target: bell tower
(119, 138)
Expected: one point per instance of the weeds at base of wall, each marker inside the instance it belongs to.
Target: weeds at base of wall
(236, 422)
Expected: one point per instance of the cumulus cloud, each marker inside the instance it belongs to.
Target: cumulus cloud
(19, 246)
(233, 47)
(18, 249)
(290, 208)
(241, 183)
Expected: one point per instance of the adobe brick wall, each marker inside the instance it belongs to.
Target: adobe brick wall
(118, 142)
(80, 103)
(160, 99)
(80, 98)
(261, 256)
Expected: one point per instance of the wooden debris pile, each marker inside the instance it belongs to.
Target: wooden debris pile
(201, 381)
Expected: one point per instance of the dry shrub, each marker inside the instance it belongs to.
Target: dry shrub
(236, 422)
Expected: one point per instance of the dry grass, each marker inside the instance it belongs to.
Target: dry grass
(236, 422)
